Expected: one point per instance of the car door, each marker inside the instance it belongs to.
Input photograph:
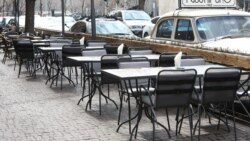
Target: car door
(165, 29)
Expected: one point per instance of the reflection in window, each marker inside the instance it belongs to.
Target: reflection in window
(136, 15)
(112, 28)
(221, 26)
(184, 30)
(165, 29)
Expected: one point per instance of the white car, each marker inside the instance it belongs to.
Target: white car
(104, 26)
(214, 29)
(147, 29)
(134, 19)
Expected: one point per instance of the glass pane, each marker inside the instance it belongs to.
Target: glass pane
(184, 30)
(222, 26)
(165, 29)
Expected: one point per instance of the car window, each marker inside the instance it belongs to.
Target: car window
(222, 26)
(184, 30)
(165, 29)
(112, 28)
(136, 15)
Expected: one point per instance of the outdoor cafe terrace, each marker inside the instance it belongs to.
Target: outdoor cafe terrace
(50, 98)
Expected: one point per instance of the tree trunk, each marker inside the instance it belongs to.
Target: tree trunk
(29, 16)
(141, 4)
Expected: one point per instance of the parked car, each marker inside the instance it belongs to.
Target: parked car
(104, 26)
(147, 29)
(134, 19)
(223, 30)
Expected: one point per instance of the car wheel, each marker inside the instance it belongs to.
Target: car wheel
(146, 34)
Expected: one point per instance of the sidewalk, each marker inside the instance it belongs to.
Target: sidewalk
(32, 111)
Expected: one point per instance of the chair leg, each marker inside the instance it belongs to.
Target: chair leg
(199, 111)
(168, 119)
(120, 109)
(20, 67)
(182, 117)
(153, 129)
(76, 75)
(190, 112)
(177, 119)
(218, 125)
(137, 123)
(233, 109)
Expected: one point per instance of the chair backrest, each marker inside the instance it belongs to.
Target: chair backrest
(94, 52)
(126, 63)
(59, 42)
(140, 52)
(220, 85)
(110, 62)
(112, 48)
(167, 59)
(192, 62)
(76, 42)
(24, 48)
(67, 51)
(96, 43)
(174, 87)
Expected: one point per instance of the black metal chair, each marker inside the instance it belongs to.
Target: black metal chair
(219, 90)
(167, 59)
(95, 66)
(91, 74)
(56, 57)
(173, 89)
(130, 88)
(112, 48)
(7, 48)
(67, 51)
(110, 62)
(25, 54)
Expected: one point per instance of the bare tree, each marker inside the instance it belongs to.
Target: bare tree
(21, 6)
(8, 6)
(49, 5)
(82, 6)
(4, 2)
(141, 4)
(41, 8)
(29, 15)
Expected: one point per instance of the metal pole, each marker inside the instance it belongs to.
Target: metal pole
(244, 5)
(18, 14)
(63, 18)
(93, 27)
(3, 7)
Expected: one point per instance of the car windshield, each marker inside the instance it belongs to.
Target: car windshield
(136, 15)
(112, 28)
(223, 27)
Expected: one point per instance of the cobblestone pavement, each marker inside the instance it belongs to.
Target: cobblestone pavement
(31, 110)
